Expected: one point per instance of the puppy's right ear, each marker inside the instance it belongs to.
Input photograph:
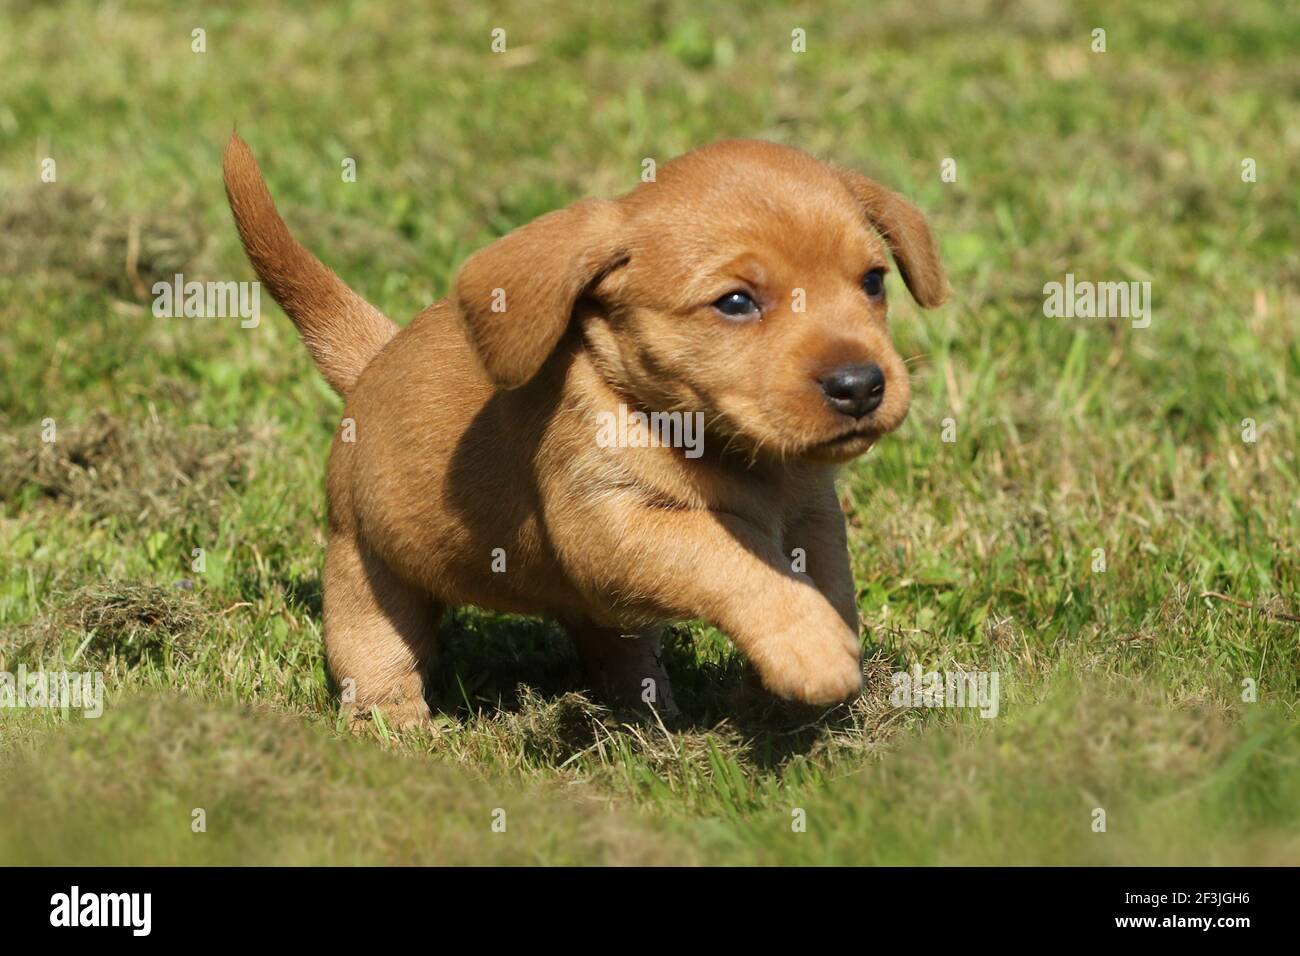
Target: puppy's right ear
(515, 297)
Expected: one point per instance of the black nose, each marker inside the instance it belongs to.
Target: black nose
(855, 390)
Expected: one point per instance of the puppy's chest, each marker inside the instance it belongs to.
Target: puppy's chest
(770, 512)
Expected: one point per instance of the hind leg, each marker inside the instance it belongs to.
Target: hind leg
(627, 668)
(380, 636)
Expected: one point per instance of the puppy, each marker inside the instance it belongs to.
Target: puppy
(744, 288)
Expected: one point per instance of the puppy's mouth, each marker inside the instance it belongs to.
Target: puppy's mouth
(844, 446)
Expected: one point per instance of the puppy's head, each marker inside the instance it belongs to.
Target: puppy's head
(747, 283)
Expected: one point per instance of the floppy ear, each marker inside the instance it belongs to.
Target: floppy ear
(906, 233)
(515, 297)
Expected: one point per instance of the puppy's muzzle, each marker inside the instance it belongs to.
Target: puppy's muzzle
(854, 390)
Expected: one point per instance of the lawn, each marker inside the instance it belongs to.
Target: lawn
(1107, 516)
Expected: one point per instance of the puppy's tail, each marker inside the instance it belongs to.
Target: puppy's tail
(342, 331)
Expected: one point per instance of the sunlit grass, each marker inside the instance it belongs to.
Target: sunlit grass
(1123, 689)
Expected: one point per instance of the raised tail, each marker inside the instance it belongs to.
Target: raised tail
(342, 331)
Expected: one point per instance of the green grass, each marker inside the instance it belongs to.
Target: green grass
(1122, 690)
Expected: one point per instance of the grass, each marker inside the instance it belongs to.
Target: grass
(1122, 689)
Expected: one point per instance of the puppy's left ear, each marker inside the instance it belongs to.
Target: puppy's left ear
(515, 297)
(907, 234)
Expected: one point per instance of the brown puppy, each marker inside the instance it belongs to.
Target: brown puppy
(744, 290)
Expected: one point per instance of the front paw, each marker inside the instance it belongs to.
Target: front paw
(811, 668)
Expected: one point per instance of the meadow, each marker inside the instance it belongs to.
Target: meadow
(1107, 516)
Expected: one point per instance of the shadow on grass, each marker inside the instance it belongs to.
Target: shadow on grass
(521, 667)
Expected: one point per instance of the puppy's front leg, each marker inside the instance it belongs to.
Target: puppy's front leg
(700, 564)
(821, 536)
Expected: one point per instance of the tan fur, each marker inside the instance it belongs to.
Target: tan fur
(341, 330)
(476, 428)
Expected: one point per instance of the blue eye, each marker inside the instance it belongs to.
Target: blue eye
(873, 284)
(736, 305)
